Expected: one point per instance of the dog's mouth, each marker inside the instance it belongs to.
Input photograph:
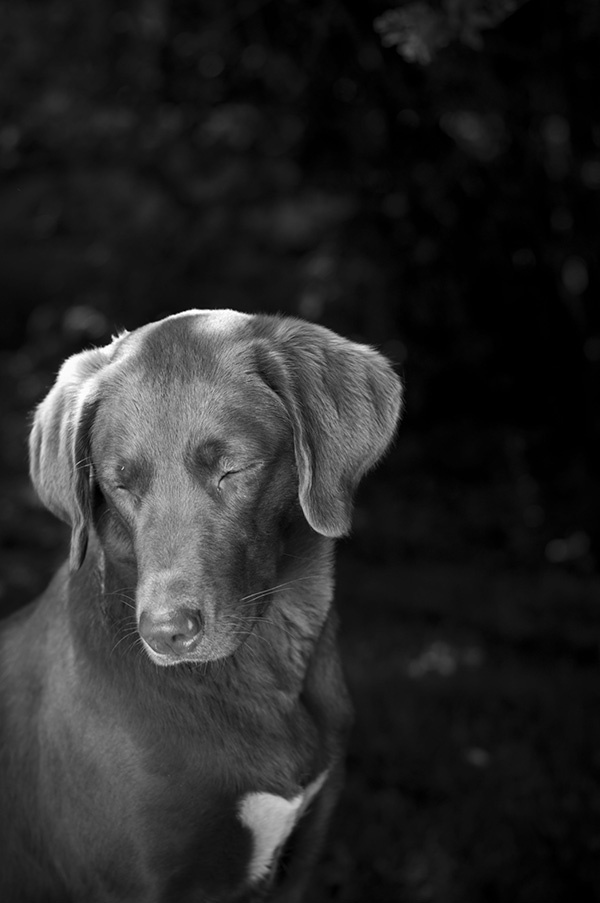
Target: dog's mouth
(204, 653)
(184, 636)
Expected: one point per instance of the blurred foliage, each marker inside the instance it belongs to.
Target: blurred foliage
(159, 155)
(418, 30)
(291, 156)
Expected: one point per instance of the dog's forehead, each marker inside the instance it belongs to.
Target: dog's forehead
(192, 342)
(191, 378)
(204, 421)
(198, 355)
(218, 321)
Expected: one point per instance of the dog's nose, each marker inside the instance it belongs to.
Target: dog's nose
(174, 633)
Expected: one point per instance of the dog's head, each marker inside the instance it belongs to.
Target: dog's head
(193, 445)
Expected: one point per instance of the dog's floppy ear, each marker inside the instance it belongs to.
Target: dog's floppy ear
(343, 399)
(60, 465)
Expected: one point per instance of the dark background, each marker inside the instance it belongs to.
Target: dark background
(426, 180)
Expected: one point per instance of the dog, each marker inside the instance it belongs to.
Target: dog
(173, 713)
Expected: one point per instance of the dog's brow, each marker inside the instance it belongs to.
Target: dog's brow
(131, 469)
(212, 454)
(208, 453)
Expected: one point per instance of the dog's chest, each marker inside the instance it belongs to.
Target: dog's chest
(271, 819)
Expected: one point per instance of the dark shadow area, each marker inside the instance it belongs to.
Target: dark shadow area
(281, 156)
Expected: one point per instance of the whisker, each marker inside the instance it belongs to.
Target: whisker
(242, 621)
(265, 620)
(123, 589)
(126, 636)
(251, 597)
(124, 597)
(127, 602)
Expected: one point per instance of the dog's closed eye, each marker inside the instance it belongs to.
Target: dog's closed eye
(124, 476)
(127, 481)
(233, 472)
(226, 476)
(127, 494)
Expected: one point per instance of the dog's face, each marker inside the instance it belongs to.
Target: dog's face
(193, 445)
(197, 484)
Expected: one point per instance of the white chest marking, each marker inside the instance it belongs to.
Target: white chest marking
(271, 819)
